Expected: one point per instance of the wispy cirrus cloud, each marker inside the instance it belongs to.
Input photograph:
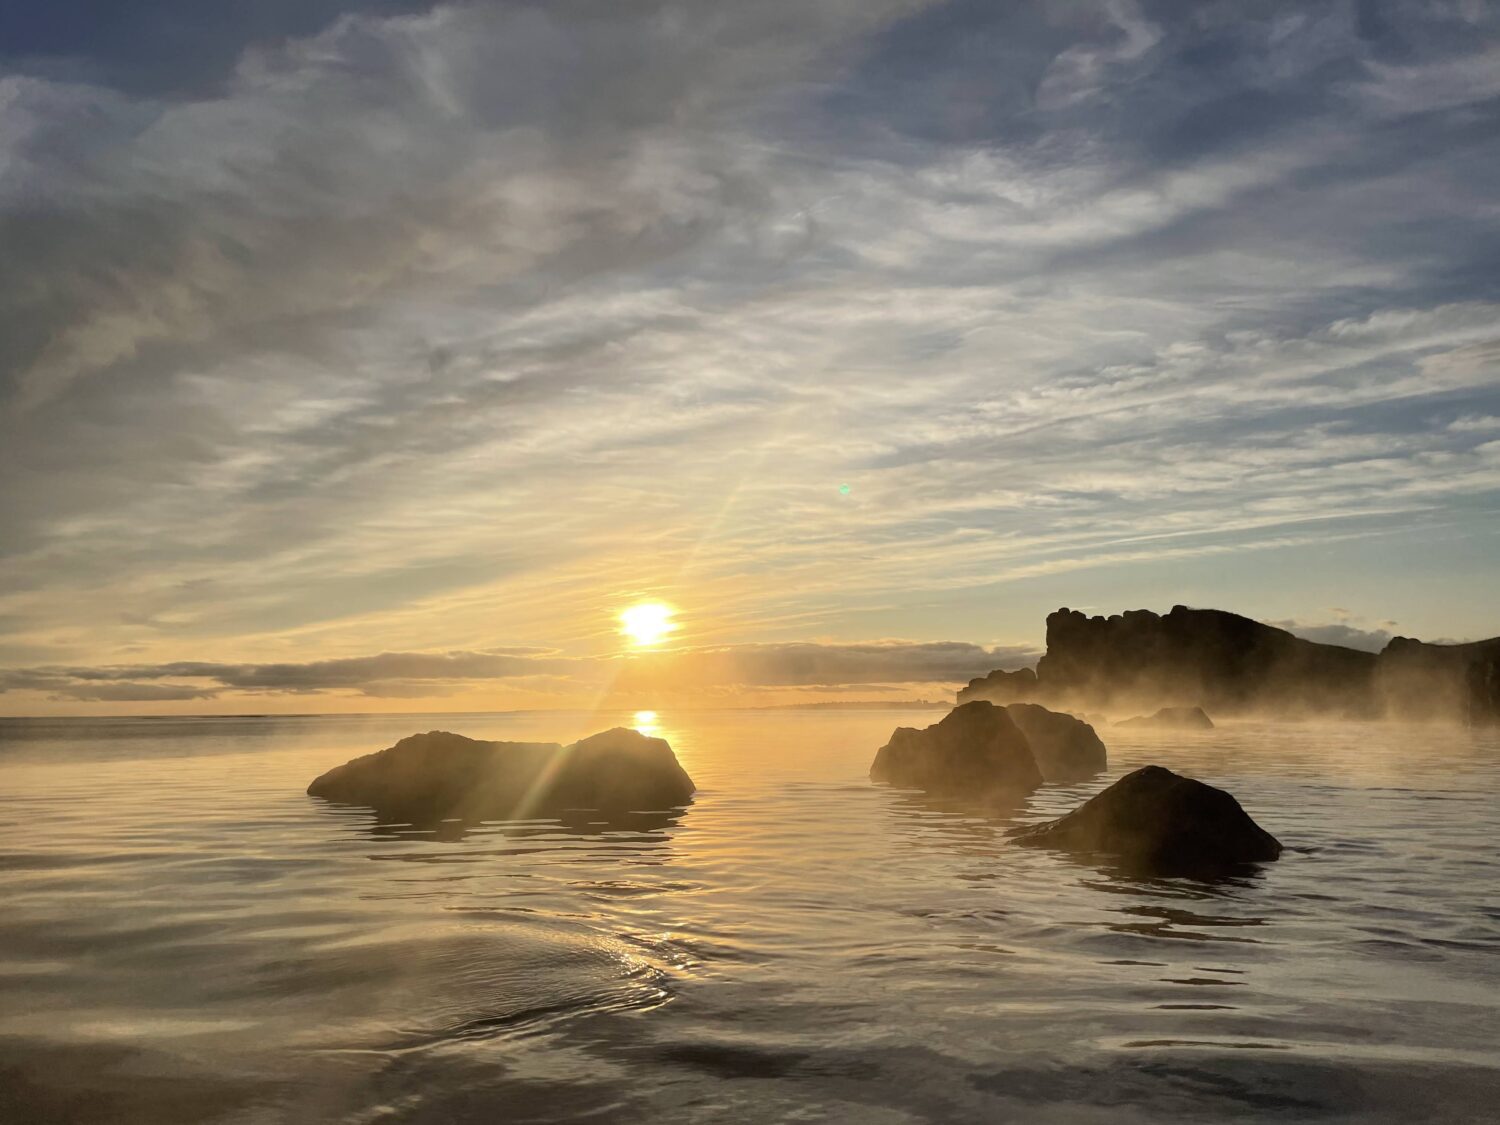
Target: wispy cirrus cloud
(408, 327)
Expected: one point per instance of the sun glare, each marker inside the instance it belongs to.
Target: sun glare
(647, 623)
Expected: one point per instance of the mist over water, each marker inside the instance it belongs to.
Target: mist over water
(187, 937)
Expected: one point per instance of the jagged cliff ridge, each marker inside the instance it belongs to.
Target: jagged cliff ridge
(1230, 664)
(1202, 657)
(1001, 687)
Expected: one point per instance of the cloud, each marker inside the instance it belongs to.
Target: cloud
(162, 48)
(126, 692)
(1338, 633)
(1349, 630)
(385, 674)
(806, 664)
(1486, 423)
(871, 666)
(374, 328)
(1081, 71)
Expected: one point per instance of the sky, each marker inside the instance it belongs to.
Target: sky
(369, 356)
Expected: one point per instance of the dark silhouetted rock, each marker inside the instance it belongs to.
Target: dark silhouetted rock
(1418, 681)
(1141, 660)
(976, 750)
(1065, 747)
(1001, 687)
(1172, 718)
(437, 776)
(1224, 661)
(1160, 822)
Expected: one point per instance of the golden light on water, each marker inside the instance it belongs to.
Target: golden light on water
(645, 722)
(647, 623)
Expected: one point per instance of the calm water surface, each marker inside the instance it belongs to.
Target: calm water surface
(185, 936)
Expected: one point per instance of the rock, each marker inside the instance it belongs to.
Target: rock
(1065, 747)
(1234, 665)
(1224, 661)
(1172, 718)
(1161, 822)
(1423, 682)
(976, 749)
(1000, 687)
(426, 778)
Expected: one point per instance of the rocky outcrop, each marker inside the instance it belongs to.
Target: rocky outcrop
(427, 778)
(1066, 748)
(1231, 665)
(976, 750)
(1207, 657)
(1162, 823)
(1417, 681)
(1172, 718)
(1001, 687)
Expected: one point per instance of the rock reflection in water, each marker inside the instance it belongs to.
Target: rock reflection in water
(645, 828)
(189, 939)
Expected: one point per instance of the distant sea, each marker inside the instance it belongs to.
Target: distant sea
(186, 937)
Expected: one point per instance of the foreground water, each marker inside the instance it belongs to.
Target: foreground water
(186, 937)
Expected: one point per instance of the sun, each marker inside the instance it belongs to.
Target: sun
(647, 623)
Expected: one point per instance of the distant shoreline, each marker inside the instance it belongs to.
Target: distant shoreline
(832, 705)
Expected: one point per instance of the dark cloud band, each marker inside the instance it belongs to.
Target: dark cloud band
(400, 674)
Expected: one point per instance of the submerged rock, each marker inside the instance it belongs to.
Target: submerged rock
(1162, 822)
(1172, 718)
(426, 778)
(1065, 747)
(976, 749)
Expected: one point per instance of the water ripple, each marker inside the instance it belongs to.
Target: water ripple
(187, 938)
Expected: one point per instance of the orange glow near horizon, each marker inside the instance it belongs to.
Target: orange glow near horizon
(646, 624)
